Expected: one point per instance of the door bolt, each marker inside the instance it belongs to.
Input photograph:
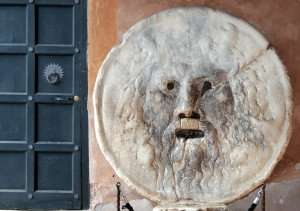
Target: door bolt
(76, 148)
(30, 1)
(30, 196)
(76, 98)
(30, 98)
(76, 196)
(30, 147)
(76, 50)
(30, 49)
(76, 1)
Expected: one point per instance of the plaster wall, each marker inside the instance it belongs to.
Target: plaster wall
(277, 20)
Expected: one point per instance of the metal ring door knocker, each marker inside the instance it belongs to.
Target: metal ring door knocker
(53, 73)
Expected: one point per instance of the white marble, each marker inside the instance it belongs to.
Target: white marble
(193, 107)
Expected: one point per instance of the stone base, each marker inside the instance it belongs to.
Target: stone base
(190, 208)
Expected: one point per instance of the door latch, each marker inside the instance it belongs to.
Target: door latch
(67, 99)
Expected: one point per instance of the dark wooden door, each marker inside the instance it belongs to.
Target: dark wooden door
(43, 127)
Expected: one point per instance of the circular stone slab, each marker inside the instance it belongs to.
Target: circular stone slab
(192, 107)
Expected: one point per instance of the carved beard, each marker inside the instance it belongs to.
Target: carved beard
(183, 163)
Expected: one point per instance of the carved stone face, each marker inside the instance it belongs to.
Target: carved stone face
(192, 107)
(186, 111)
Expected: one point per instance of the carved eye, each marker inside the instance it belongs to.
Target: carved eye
(170, 85)
(206, 86)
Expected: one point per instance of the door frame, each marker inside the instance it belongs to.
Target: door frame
(85, 185)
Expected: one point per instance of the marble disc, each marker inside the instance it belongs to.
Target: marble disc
(193, 107)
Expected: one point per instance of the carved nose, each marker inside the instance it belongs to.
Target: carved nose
(188, 114)
(186, 110)
(189, 96)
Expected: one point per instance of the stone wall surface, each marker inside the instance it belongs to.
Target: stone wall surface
(277, 20)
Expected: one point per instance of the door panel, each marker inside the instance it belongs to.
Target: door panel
(13, 72)
(59, 162)
(52, 28)
(55, 123)
(13, 24)
(14, 178)
(12, 122)
(43, 126)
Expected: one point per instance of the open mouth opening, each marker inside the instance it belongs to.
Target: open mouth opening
(190, 128)
(189, 133)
